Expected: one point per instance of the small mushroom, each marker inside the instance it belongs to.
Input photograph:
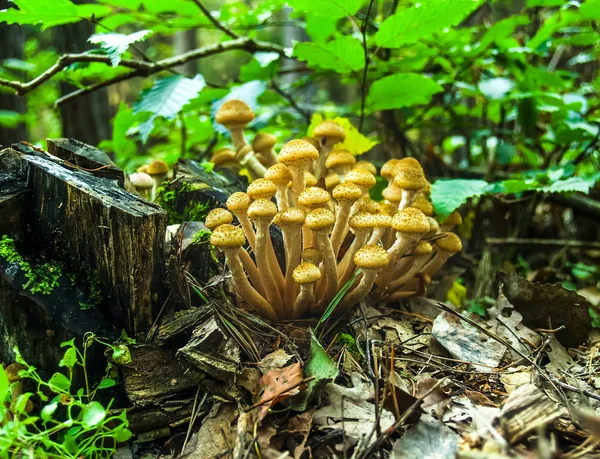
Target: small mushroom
(341, 161)
(452, 221)
(261, 188)
(298, 155)
(312, 198)
(225, 157)
(143, 184)
(235, 115)
(328, 133)
(305, 274)
(361, 224)
(290, 221)
(410, 225)
(281, 176)
(263, 144)
(346, 194)
(419, 256)
(447, 245)
(248, 159)
(238, 203)
(158, 170)
(409, 180)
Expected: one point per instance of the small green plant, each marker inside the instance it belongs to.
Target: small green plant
(69, 422)
(167, 198)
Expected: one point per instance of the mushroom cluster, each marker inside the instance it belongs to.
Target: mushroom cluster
(149, 178)
(329, 230)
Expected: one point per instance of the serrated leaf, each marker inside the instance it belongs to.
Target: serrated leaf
(569, 185)
(115, 44)
(43, 12)
(166, 98)
(332, 8)
(449, 195)
(423, 20)
(355, 142)
(401, 90)
(343, 55)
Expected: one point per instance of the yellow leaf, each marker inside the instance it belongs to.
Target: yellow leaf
(355, 142)
(457, 294)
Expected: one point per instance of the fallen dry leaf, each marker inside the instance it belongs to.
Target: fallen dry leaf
(277, 385)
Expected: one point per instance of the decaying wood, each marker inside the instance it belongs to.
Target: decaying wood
(182, 322)
(88, 221)
(87, 157)
(14, 199)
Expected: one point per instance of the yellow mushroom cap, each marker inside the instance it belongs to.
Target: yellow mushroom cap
(312, 254)
(279, 174)
(367, 166)
(313, 197)
(298, 153)
(361, 178)
(234, 113)
(218, 217)
(238, 202)
(143, 169)
(389, 168)
(410, 178)
(453, 219)
(449, 242)
(392, 194)
(371, 256)
(306, 272)
(262, 209)
(332, 180)
(330, 129)
(409, 162)
(347, 192)
(434, 226)
(383, 220)
(261, 189)
(320, 220)
(368, 205)
(141, 181)
(423, 205)
(411, 221)
(389, 209)
(310, 179)
(423, 248)
(263, 141)
(291, 217)
(227, 236)
(340, 158)
(157, 167)
(363, 220)
(427, 188)
(223, 156)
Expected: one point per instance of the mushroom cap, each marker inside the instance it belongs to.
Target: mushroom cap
(242, 152)
(314, 142)
(426, 190)
(423, 204)
(423, 248)
(370, 206)
(306, 272)
(453, 219)
(217, 217)
(261, 188)
(223, 156)
(143, 169)
(389, 168)
(227, 237)
(332, 180)
(383, 220)
(362, 221)
(298, 153)
(262, 209)
(389, 209)
(392, 194)
(238, 202)
(361, 178)
(434, 226)
(279, 174)
(340, 158)
(313, 197)
(409, 162)
(12, 372)
(141, 181)
(320, 220)
(411, 221)
(371, 256)
(367, 166)
(331, 130)
(310, 179)
(312, 254)
(449, 242)
(157, 167)
(234, 113)
(347, 192)
(291, 217)
(410, 178)
(263, 141)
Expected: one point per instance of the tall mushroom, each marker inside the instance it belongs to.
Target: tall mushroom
(158, 170)
(238, 203)
(290, 222)
(328, 133)
(346, 194)
(230, 239)
(447, 245)
(263, 143)
(409, 180)
(452, 220)
(341, 161)
(248, 159)
(410, 225)
(305, 274)
(281, 176)
(235, 115)
(225, 157)
(419, 256)
(311, 198)
(371, 259)
(361, 224)
(298, 155)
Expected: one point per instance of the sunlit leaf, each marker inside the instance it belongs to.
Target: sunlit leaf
(449, 195)
(401, 90)
(331, 8)
(343, 55)
(355, 142)
(93, 414)
(116, 44)
(42, 12)
(60, 382)
(495, 88)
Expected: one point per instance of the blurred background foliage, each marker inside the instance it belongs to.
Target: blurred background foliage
(501, 96)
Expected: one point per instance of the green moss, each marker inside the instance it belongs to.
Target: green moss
(347, 340)
(167, 198)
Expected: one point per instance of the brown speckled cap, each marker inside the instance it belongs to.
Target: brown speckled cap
(262, 209)
(306, 272)
(157, 167)
(331, 130)
(312, 254)
(227, 236)
(371, 256)
(263, 141)
(279, 174)
(320, 220)
(453, 219)
(410, 178)
(409, 162)
(261, 189)
(298, 153)
(314, 197)
(411, 221)
(389, 169)
(332, 180)
(238, 202)
(218, 217)
(223, 156)
(363, 220)
(234, 113)
(422, 248)
(347, 192)
(291, 217)
(449, 242)
(366, 166)
(423, 205)
(361, 178)
(340, 158)
(392, 194)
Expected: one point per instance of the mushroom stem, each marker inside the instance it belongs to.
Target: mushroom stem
(399, 247)
(341, 225)
(263, 244)
(242, 285)
(418, 262)
(320, 163)
(255, 167)
(346, 266)
(377, 235)
(282, 199)
(329, 268)
(248, 229)
(408, 196)
(237, 137)
(362, 289)
(270, 156)
(298, 183)
(305, 300)
(252, 271)
(291, 240)
(436, 263)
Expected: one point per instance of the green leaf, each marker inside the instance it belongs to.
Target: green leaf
(59, 382)
(166, 98)
(116, 44)
(69, 359)
(21, 403)
(534, 3)
(411, 24)
(43, 12)
(449, 195)
(123, 147)
(106, 383)
(331, 8)
(495, 88)
(355, 142)
(401, 90)
(502, 29)
(320, 28)
(571, 184)
(93, 414)
(595, 315)
(343, 55)
(121, 435)
(49, 410)
(561, 18)
(4, 385)
(121, 355)
(590, 9)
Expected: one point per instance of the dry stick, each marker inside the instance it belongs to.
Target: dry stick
(222, 27)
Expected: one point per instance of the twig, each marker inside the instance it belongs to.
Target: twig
(545, 242)
(216, 23)
(575, 389)
(363, 88)
(291, 101)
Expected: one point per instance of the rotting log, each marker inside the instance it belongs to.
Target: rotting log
(14, 199)
(88, 221)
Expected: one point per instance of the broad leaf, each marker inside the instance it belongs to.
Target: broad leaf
(571, 184)
(401, 90)
(355, 142)
(93, 414)
(590, 9)
(320, 28)
(449, 195)
(59, 382)
(423, 20)
(166, 98)
(4, 385)
(115, 44)
(331, 8)
(43, 12)
(343, 55)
